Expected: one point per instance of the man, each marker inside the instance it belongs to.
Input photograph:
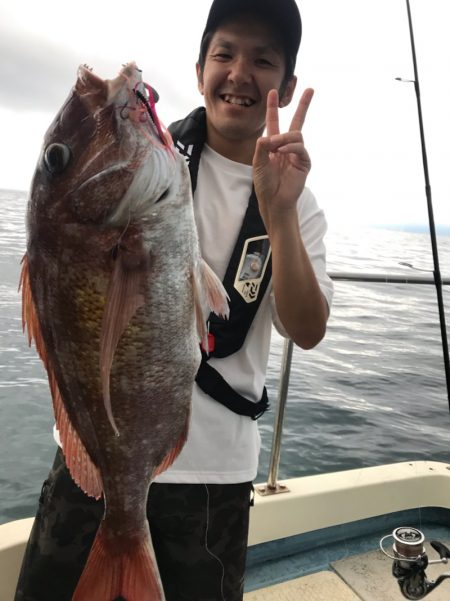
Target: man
(249, 191)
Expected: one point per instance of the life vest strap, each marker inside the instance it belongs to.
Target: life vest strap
(213, 384)
(227, 336)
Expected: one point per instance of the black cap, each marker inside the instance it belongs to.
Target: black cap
(282, 14)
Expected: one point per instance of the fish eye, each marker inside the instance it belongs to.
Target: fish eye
(56, 157)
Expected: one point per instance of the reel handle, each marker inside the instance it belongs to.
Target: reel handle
(444, 552)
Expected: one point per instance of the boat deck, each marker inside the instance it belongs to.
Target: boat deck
(362, 577)
(323, 586)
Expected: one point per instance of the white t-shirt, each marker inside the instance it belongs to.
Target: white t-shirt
(222, 446)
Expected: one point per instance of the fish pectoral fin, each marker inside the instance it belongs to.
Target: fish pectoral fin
(81, 467)
(125, 569)
(125, 296)
(214, 293)
(209, 291)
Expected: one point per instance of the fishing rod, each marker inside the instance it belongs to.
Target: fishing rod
(434, 247)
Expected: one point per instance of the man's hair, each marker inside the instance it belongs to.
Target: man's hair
(289, 64)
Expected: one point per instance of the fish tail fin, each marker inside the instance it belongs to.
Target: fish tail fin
(131, 574)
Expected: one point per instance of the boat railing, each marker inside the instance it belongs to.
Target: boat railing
(273, 486)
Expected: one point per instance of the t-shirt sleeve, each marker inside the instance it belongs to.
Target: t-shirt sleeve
(313, 227)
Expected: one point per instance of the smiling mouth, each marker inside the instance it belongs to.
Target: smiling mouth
(237, 100)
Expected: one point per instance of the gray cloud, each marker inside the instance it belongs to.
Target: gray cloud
(36, 74)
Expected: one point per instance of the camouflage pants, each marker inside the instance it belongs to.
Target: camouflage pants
(181, 517)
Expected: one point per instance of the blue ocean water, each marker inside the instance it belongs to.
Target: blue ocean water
(372, 392)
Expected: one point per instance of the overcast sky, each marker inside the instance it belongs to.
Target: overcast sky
(362, 127)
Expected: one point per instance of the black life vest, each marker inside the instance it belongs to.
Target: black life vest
(228, 335)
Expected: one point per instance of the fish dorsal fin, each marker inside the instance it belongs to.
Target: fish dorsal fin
(124, 298)
(81, 467)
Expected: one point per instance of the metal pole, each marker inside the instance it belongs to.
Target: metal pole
(437, 273)
(272, 486)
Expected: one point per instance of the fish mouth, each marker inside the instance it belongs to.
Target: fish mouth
(119, 91)
(133, 99)
(97, 178)
(238, 99)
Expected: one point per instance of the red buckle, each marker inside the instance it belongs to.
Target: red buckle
(211, 344)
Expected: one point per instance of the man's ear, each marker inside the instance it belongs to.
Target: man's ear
(288, 93)
(199, 78)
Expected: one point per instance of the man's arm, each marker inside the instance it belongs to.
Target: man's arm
(280, 167)
(300, 304)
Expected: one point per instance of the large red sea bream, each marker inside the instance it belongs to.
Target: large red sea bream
(113, 286)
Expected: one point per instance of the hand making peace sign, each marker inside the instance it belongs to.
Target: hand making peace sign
(281, 162)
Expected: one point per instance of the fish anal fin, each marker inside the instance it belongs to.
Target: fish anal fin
(173, 453)
(125, 296)
(129, 572)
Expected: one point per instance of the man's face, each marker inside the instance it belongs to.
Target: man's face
(244, 61)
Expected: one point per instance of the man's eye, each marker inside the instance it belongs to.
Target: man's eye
(222, 56)
(264, 62)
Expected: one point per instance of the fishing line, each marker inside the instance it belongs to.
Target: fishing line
(146, 103)
(116, 247)
(208, 550)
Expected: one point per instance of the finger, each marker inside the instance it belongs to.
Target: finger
(300, 114)
(293, 148)
(272, 121)
(278, 140)
(298, 156)
(262, 151)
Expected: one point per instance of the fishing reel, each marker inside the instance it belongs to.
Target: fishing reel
(411, 561)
